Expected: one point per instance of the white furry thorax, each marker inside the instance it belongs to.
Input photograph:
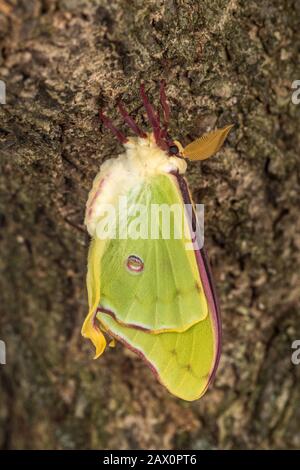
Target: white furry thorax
(142, 159)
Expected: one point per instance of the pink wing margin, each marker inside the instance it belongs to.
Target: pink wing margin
(207, 280)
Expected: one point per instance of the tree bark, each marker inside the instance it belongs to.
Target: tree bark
(225, 61)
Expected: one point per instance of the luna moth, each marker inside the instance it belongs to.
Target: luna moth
(152, 294)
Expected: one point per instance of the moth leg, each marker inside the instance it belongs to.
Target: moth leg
(108, 123)
(164, 103)
(130, 121)
(153, 119)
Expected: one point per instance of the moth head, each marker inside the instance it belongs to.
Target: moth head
(200, 149)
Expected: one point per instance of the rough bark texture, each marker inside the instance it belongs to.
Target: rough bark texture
(225, 61)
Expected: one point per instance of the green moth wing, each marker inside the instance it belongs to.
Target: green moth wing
(183, 356)
(167, 294)
(182, 362)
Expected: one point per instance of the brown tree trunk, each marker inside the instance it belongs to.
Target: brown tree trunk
(225, 61)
